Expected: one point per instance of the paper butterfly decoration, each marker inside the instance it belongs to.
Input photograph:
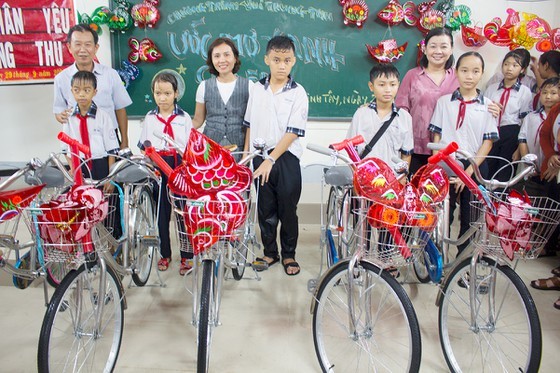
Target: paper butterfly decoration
(394, 13)
(144, 50)
(145, 14)
(128, 72)
(387, 51)
(355, 12)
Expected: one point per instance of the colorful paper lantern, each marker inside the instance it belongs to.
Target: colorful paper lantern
(387, 51)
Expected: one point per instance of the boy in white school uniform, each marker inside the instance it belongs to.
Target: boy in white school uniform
(91, 126)
(277, 112)
(111, 97)
(396, 141)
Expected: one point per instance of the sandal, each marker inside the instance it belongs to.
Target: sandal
(292, 264)
(262, 264)
(551, 283)
(163, 264)
(557, 304)
(556, 271)
(185, 267)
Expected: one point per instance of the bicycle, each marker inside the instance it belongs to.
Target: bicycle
(363, 320)
(337, 220)
(216, 228)
(82, 327)
(46, 179)
(487, 318)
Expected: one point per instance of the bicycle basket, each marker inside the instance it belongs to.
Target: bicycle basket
(516, 226)
(395, 233)
(63, 226)
(209, 218)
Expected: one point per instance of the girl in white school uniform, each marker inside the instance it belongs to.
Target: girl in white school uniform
(516, 102)
(170, 119)
(463, 117)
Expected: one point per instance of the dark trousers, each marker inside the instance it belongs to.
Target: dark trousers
(417, 161)
(464, 198)
(165, 209)
(504, 148)
(278, 199)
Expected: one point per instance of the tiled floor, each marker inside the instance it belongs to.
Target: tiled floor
(266, 325)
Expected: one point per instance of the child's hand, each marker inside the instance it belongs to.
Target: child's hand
(108, 188)
(553, 167)
(263, 171)
(495, 108)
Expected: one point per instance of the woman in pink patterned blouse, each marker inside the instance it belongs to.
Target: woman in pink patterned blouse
(424, 85)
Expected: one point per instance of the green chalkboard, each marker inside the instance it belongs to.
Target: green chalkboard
(333, 62)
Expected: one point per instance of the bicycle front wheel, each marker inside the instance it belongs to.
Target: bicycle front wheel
(205, 316)
(386, 336)
(143, 221)
(505, 334)
(82, 329)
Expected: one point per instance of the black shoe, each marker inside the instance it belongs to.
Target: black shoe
(482, 288)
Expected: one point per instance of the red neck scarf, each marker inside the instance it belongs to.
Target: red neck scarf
(85, 136)
(504, 101)
(462, 110)
(537, 135)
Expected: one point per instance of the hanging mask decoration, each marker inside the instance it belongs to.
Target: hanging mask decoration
(392, 14)
(430, 18)
(145, 14)
(128, 72)
(473, 36)
(457, 16)
(387, 51)
(355, 12)
(145, 50)
(120, 18)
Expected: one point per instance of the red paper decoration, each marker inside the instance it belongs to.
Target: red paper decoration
(145, 50)
(355, 12)
(387, 51)
(145, 14)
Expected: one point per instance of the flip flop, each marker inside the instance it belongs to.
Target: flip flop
(557, 304)
(551, 283)
(556, 271)
(261, 264)
(293, 264)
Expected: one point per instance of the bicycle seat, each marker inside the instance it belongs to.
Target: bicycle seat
(338, 176)
(50, 176)
(131, 173)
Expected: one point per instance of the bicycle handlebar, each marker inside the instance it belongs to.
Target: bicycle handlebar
(444, 152)
(73, 142)
(331, 152)
(354, 141)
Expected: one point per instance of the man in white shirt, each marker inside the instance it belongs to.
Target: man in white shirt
(111, 97)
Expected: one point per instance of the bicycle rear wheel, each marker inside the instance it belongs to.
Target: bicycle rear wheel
(71, 339)
(205, 316)
(507, 334)
(56, 271)
(387, 334)
(143, 223)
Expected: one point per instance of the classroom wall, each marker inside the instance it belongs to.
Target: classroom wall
(28, 128)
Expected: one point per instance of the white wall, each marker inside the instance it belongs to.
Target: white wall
(28, 127)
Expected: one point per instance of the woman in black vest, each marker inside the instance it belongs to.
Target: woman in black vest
(222, 99)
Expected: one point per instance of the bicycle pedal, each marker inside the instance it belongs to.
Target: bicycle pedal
(150, 240)
(259, 266)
